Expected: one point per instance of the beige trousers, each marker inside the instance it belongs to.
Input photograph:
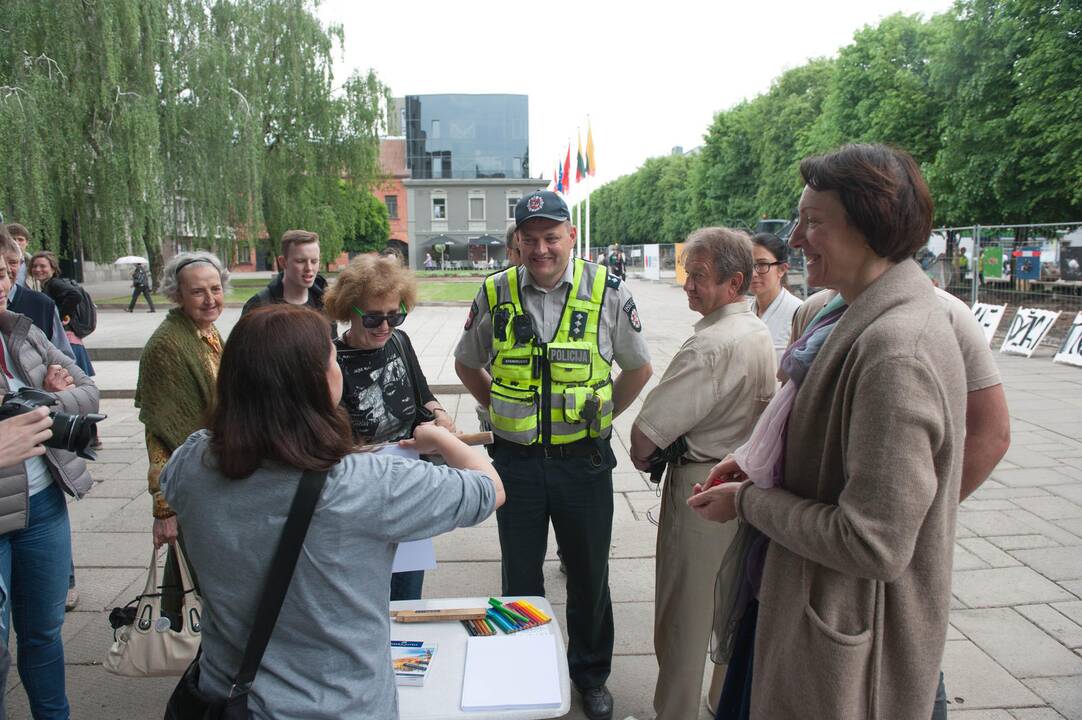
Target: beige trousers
(689, 554)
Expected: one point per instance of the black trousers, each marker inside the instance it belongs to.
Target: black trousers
(575, 494)
(136, 291)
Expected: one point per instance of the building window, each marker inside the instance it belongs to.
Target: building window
(435, 132)
(477, 207)
(391, 201)
(512, 201)
(439, 208)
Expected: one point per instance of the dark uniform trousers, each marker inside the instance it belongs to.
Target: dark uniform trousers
(571, 485)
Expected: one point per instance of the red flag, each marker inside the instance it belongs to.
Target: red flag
(567, 171)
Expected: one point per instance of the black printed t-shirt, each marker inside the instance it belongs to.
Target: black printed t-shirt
(377, 389)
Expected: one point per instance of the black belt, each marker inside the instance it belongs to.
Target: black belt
(581, 448)
(688, 461)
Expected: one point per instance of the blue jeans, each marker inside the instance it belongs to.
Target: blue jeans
(35, 563)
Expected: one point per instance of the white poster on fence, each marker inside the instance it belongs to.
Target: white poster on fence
(1027, 330)
(1070, 352)
(651, 262)
(989, 317)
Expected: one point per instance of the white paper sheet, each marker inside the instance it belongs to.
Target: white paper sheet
(508, 672)
(417, 554)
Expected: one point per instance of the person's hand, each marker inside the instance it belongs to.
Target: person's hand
(22, 436)
(57, 379)
(443, 419)
(717, 503)
(165, 531)
(640, 464)
(429, 438)
(726, 471)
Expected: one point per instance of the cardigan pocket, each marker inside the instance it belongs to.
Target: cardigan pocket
(836, 635)
(842, 664)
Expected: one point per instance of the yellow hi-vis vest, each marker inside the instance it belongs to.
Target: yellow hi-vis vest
(556, 392)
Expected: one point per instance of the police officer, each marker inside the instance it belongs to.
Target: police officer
(550, 330)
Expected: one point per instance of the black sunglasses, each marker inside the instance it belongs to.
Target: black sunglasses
(373, 321)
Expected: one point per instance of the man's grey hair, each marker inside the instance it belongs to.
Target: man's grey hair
(170, 285)
(729, 252)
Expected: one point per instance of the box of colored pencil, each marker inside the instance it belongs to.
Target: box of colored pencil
(515, 616)
(479, 628)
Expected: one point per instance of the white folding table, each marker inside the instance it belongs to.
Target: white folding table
(440, 698)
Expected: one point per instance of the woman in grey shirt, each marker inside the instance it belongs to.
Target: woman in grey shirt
(231, 485)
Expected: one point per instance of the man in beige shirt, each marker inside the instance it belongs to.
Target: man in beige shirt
(711, 395)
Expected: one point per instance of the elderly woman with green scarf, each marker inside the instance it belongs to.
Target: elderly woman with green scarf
(177, 375)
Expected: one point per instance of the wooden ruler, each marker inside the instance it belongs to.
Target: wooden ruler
(417, 616)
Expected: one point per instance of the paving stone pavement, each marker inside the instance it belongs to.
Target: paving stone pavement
(1014, 649)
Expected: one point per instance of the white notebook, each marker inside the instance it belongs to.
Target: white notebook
(507, 672)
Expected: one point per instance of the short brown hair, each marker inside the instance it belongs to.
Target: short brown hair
(286, 348)
(367, 277)
(16, 230)
(729, 252)
(296, 237)
(8, 244)
(883, 193)
(50, 257)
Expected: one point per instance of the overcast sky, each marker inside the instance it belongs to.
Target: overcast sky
(649, 78)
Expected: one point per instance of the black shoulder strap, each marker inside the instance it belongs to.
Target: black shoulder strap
(281, 573)
(401, 348)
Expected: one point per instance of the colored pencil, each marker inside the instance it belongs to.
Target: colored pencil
(500, 621)
(501, 607)
(520, 608)
(543, 616)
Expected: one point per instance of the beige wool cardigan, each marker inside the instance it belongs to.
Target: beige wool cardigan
(856, 585)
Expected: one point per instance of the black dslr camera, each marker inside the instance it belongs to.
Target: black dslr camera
(74, 433)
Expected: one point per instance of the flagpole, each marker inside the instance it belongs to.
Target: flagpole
(587, 181)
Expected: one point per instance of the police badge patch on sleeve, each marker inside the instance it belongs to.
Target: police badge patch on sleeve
(472, 316)
(633, 315)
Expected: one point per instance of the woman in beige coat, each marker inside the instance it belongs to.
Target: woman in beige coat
(854, 595)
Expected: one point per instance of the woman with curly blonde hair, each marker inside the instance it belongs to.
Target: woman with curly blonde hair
(384, 390)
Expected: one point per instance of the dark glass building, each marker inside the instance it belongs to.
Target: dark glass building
(467, 136)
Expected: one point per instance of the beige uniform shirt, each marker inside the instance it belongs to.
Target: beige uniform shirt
(716, 386)
(980, 365)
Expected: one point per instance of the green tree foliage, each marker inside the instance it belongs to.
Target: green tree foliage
(986, 97)
(365, 221)
(131, 121)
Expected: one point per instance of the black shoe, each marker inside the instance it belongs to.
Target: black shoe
(597, 702)
(127, 310)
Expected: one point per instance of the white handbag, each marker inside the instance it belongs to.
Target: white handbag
(149, 647)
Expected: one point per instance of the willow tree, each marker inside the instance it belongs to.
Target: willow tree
(256, 131)
(79, 121)
(126, 121)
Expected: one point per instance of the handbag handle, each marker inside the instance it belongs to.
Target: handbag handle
(281, 573)
(187, 585)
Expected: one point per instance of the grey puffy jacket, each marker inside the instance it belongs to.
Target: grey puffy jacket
(31, 355)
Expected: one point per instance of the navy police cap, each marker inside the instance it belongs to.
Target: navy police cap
(541, 204)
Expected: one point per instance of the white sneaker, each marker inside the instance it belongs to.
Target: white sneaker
(72, 600)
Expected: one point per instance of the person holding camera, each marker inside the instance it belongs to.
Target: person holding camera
(713, 391)
(386, 393)
(35, 535)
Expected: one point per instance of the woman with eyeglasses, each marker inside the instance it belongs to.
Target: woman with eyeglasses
(384, 390)
(771, 301)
